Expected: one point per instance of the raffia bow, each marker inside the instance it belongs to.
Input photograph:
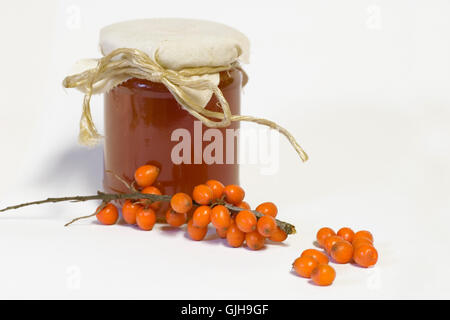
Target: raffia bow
(132, 63)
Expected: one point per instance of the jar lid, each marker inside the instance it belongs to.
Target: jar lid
(181, 43)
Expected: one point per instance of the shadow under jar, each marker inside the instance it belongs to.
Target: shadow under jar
(140, 118)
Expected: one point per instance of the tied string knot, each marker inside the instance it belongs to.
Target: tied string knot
(124, 63)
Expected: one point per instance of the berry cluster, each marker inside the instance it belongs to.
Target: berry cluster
(344, 247)
(211, 203)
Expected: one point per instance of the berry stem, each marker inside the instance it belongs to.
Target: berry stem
(108, 197)
(100, 208)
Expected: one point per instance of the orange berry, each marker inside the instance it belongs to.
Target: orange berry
(146, 175)
(342, 251)
(174, 218)
(181, 202)
(146, 218)
(222, 232)
(235, 237)
(108, 215)
(254, 240)
(152, 190)
(220, 217)
(234, 194)
(267, 208)
(129, 211)
(202, 216)
(196, 233)
(365, 255)
(278, 235)
(304, 266)
(363, 234)
(330, 241)
(323, 275)
(266, 225)
(346, 233)
(323, 234)
(217, 188)
(244, 205)
(246, 221)
(360, 241)
(202, 194)
(320, 257)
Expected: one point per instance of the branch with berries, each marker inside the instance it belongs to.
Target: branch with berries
(211, 203)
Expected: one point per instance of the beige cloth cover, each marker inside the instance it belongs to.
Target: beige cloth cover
(179, 44)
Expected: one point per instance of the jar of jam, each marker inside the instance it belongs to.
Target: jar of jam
(166, 82)
(145, 123)
(141, 118)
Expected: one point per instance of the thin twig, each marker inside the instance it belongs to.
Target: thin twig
(99, 196)
(100, 208)
(126, 184)
(108, 197)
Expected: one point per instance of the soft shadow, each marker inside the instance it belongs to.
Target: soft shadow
(294, 273)
(277, 244)
(76, 165)
(169, 231)
(354, 264)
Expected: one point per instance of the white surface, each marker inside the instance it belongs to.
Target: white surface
(370, 104)
(180, 43)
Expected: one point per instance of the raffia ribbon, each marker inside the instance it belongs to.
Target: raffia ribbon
(124, 63)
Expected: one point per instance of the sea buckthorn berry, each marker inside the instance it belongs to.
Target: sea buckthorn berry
(217, 188)
(181, 202)
(254, 240)
(316, 254)
(220, 217)
(129, 211)
(267, 208)
(234, 194)
(196, 233)
(323, 275)
(304, 266)
(330, 241)
(174, 218)
(108, 215)
(202, 216)
(278, 235)
(365, 255)
(346, 234)
(235, 237)
(342, 252)
(222, 232)
(323, 234)
(202, 194)
(152, 190)
(363, 234)
(361, 241)
(266, 225)
(244, 205)
(246, 221)
(146, 175)
(146, 219)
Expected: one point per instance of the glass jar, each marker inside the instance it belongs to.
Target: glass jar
(140, 118)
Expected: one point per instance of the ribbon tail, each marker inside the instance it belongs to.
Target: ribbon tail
(88, 135)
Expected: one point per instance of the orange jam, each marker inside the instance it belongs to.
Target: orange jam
(140, 118)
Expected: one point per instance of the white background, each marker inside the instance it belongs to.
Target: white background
(364, 85)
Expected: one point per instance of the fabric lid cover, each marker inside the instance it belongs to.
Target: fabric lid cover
(181, 43)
